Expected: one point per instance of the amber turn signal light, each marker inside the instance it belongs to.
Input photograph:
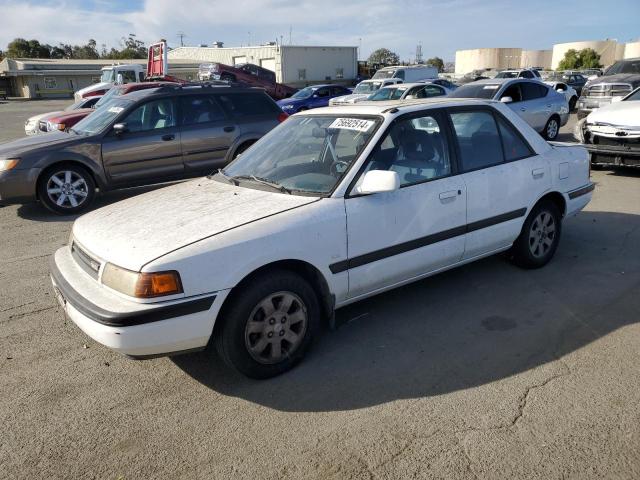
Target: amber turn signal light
(158, 284)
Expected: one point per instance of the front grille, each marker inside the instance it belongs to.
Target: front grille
(85, 261)
(607, 90)
(617, 142)
(42, 126)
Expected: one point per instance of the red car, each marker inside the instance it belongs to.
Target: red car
(66, 120)
(248, 74)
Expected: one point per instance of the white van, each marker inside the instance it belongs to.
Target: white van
(412, 73)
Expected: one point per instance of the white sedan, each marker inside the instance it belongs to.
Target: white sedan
(568, 91)
(332, 206)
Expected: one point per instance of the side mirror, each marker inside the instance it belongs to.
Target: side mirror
(119, 79)
(315, 95)
(559, 90)
(379, 181)
(506, 99)
(119, 128)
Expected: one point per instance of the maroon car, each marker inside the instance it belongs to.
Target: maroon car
(66, 120)
(246, 73)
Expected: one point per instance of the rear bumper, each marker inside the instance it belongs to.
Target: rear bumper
(18, 186)
(578, 198)
(128, 327)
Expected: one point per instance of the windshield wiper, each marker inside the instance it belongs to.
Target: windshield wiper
(264, 181)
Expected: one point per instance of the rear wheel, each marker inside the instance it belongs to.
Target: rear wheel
(539, 238)
(572, 103)
(551, 129)
(268, 326)
(66, 189)
(227, 77)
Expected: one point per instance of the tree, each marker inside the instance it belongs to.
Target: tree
(384, 56)
(88, 51)
(585, 58)
(436, 62)
(21, 48)
(1, 55)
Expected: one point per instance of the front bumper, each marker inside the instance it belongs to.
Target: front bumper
(129, 327)
(18, 186)
(586, 105)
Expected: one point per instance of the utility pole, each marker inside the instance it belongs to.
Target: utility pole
(290, 31)
(181, 36)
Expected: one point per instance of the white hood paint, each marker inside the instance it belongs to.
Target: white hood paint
(624, 114)
(354, 97)
(92, 88)
(133, 232)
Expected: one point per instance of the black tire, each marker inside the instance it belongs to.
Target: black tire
(73, 196)
(572, 103)
(550, 132)
(240, 347)
(227, 77)
(535, 246)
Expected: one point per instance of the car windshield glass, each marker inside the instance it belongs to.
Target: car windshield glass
(507, 75)
(113, 92)
(74, 106)
(107, 76)
(304, 93)
(625, 66)
(367, 87)
(388, 93)
(475, 90)
(305, 154)
(633, 97)
(100, 119)
(383, 74)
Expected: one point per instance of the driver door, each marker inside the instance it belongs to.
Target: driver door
(149, 150)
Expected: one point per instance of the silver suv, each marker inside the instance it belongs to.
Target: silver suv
(145, 137)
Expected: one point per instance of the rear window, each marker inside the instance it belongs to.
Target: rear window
(248, 104)
(476, 90)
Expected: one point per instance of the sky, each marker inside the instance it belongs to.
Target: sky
(441, 26)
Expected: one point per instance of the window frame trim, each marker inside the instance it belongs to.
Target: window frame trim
(122, 117)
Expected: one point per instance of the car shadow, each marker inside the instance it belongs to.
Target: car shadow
(37, 211)
(466, 327)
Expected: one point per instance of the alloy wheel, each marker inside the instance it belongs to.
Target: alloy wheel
(542, 234)
(67, 189)
(552, 128)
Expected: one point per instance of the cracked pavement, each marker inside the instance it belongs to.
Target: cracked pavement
(483, 372)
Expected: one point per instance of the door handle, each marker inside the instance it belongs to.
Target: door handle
(449, 194)
(229, 128)
(168, 137)
(537, 172)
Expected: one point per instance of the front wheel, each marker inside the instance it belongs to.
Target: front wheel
(539, 238)
(551, 129)
(268, 326)
(66, 189)
(572, 103)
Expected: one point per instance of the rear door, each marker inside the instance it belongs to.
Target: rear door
(149, 150)
(207, 133)
(503, 176)
(538, 106)
(253, 112)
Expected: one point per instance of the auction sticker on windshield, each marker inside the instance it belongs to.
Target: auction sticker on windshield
(116, 109)
(357, 124)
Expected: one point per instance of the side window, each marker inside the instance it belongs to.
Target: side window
(526, 74)
(433, 91)
(478, 139)
(532, 91)
(247, 104)
(140, 77)
(152, 115)
(416, 149)
(197, 109)
(514, 147)
(323, 92)
(513, 91)
(128, 76)
(337, 91)
(400, 74)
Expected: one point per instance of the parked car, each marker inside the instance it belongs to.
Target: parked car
(443, 82)
(38, 123)
(407, 91)
(410, 73)
(145, 137)
(612, 133)
(65, 120)
(331, 207)
(618, 81)
(521, 73)
(541, 107)
(363, 90)
(312, 97)
(246, 73)
(573, 79)
(569, 93)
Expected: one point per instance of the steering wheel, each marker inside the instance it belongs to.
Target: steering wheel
(334, 167)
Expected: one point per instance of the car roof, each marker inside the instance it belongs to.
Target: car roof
(405, 85)
(501, 81)
(395, 106)
(187, 89)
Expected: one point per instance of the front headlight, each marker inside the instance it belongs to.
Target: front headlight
(8, 164)
(141, 285)
(55, 126)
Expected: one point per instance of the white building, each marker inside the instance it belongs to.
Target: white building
(294, 65)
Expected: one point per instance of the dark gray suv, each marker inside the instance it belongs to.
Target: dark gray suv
(145, 137)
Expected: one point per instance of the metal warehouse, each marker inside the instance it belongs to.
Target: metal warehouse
(59, 78)
(294, 65)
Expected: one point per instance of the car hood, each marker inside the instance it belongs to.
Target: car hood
(78, 113)
(354, 97)
(47, 140)
(290, 101)
(37, 118)
(632, 78)
(93, 88)
(620, 113)
(136, 231)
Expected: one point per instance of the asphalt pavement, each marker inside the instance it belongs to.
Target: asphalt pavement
(483, 372)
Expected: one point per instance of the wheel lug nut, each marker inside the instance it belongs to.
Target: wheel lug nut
(270, 334)
(272, 321)
(283, 319)
(281, 333)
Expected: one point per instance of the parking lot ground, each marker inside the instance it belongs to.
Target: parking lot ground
(486, 371)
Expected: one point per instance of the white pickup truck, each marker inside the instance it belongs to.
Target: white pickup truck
(111, 75)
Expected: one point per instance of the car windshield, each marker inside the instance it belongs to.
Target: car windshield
(367, 87)
(507, 75)
(633, 96)
(304, 93)
(304, 155)
(384, 74)
(388, 93)
(625, 66)
(113, 92)
(101, 118)
(476, 90)
(107, 76)
(74, 106)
